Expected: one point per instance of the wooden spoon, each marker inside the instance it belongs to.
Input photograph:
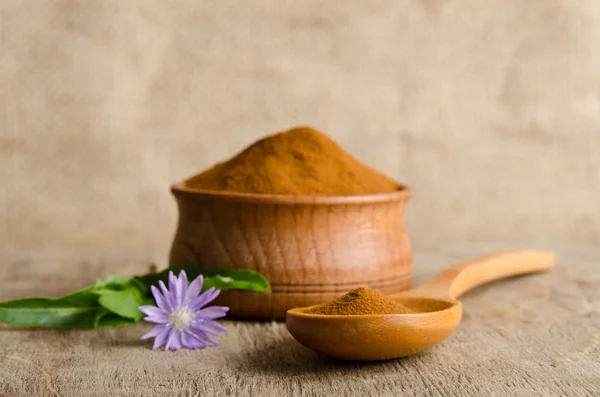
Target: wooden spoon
(438, 312)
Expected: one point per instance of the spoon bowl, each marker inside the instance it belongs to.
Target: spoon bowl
(437, 312)
(375, 337)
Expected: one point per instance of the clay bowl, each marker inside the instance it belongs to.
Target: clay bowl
(312, 249)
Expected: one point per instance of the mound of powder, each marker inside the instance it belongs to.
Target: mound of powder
(361, 301)
(300, 161)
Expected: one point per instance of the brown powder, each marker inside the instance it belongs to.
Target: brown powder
(300, 161)
(361, 301)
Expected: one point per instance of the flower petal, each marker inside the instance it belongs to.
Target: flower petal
(158, 320)
(167, 294)
(203, 336)
(194, 288)
(177, 340)
(183, 286)
(154, 332)
(173, 285)
(161, 302)
(191, 341)
(211, 312)
(161, 338)
(213, 327)
(205, 298)
(210, 327)
(214, 295)
(151, 310)
(174, 340)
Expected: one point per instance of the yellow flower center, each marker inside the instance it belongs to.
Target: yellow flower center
(181, 319)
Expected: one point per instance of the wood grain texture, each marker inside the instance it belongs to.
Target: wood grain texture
(311, 249)
(531, 336)
(382, 337)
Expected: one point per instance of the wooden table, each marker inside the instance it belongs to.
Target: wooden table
(531, 336)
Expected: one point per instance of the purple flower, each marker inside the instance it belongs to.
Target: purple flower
(182, 320)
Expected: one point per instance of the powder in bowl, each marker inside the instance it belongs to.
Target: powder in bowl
(301, 161)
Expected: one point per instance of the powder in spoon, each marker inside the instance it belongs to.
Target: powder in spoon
(361, 301)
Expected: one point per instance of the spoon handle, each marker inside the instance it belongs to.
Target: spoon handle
(460, 278)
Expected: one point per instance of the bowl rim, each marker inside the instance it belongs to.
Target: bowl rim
(401, 194)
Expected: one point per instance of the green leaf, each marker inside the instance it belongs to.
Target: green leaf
(225, 279)
(145, 291)
(114, 302)
(153, 278)
(124, 303)
(104, 318)
(235, 279)
(100, 313)
(80, 309)
(72, 311)
(112, 282)
(114, 320)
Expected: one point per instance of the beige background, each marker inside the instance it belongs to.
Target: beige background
(490, 111)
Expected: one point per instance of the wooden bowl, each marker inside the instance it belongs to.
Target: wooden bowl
(312, 249)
